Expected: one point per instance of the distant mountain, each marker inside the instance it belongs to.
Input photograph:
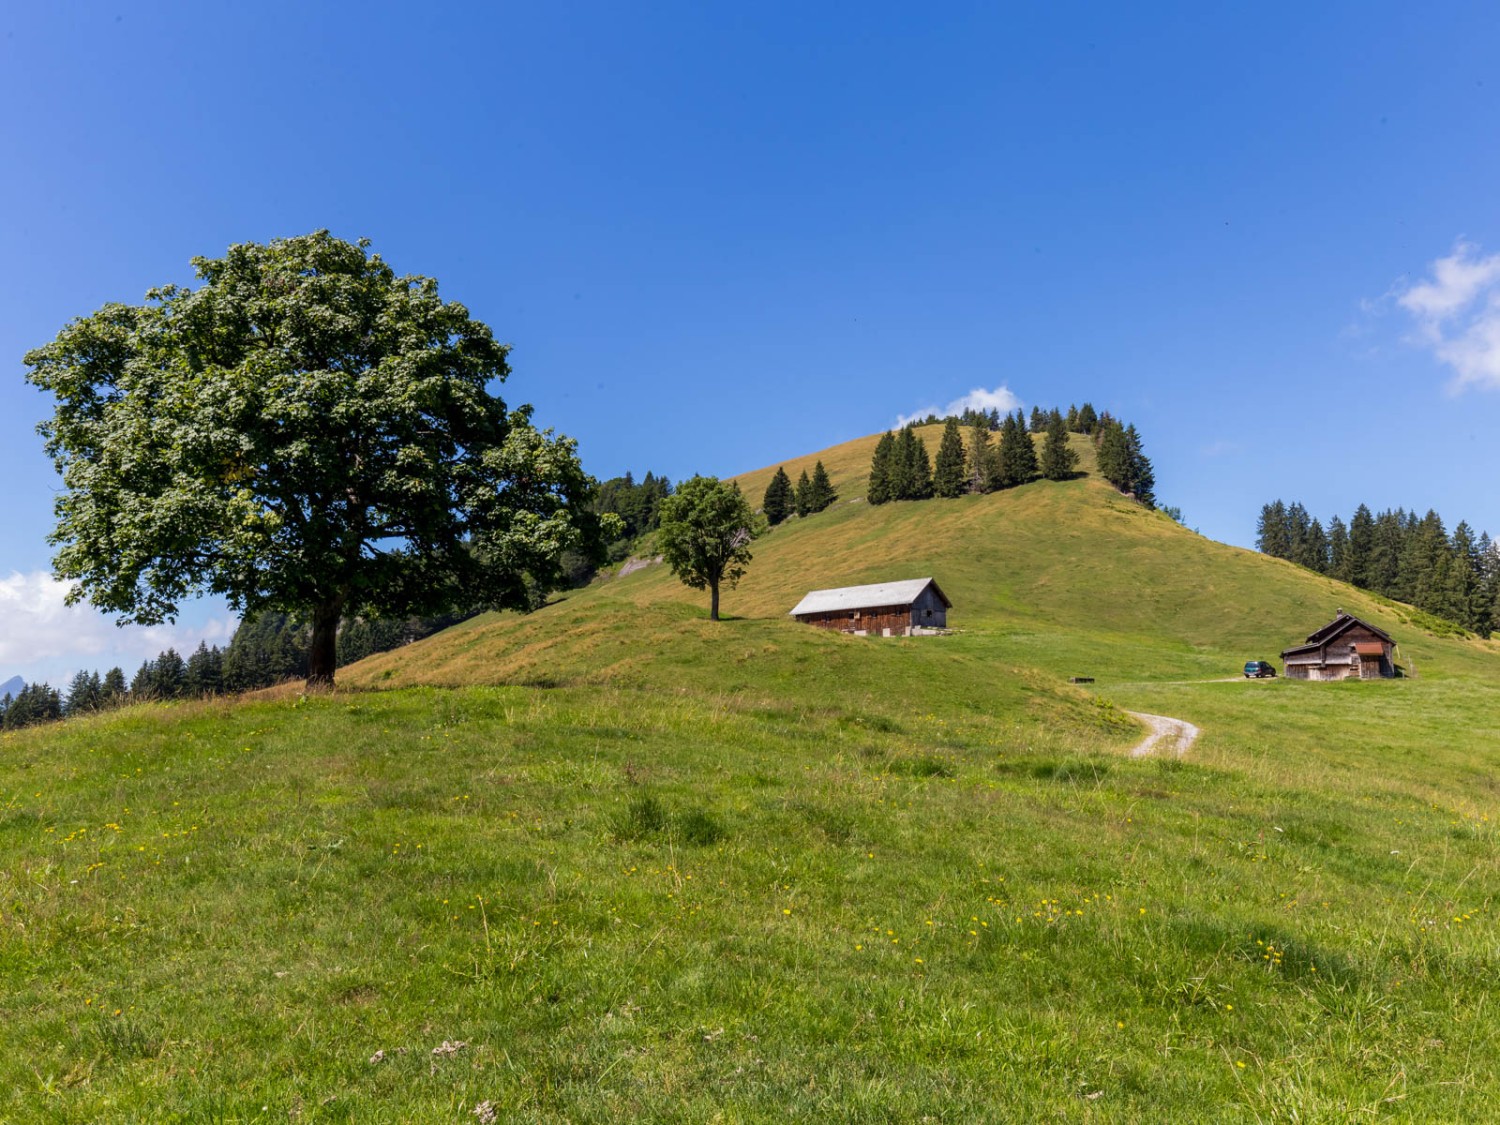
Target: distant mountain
(11, 686)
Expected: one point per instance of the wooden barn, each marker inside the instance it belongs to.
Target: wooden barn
(883, 609)
(1344, 649)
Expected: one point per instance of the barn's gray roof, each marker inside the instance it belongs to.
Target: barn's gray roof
(874, 596)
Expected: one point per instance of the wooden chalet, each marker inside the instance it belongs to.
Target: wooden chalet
(882, 609)
(1344, 649)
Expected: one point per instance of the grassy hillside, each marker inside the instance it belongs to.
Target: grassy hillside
(644, 866)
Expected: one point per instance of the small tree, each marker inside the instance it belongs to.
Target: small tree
(802, 498)
(949, 478)
(1038, 422)
(823, 492)
(1058, 460)
(777, 504)
(881, 466)
(1088, 420)
(705, 534)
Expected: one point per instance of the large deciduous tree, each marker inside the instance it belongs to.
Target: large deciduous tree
(705, 534)
(307, 432)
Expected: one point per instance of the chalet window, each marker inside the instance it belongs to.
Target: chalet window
(927, 613)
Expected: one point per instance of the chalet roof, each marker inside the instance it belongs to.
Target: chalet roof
(1369, 648)
(1328, 632)
(1339, 624)
(874, 596)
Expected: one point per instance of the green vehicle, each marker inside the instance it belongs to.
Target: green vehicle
(1259, 669)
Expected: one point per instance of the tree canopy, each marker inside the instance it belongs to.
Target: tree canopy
(705, 535)
(307, 432)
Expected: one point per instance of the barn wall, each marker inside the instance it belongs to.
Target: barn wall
(896, 618)
(928, 611)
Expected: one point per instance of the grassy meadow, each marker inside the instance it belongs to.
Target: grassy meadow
(642, 866)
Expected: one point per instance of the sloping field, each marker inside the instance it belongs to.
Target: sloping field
(643, 866)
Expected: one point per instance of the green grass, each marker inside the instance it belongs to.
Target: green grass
(648, 867)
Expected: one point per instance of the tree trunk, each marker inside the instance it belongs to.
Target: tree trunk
(322, 654)
(713, 601)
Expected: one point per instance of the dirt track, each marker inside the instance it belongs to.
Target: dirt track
(1175, 733)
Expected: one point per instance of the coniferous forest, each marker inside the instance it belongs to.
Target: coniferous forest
(1396, 553)
(998, 452)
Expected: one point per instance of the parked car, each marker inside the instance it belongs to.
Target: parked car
(1259, 669)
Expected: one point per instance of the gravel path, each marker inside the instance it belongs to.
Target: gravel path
(1176, 733)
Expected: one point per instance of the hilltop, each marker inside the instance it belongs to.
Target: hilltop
(642, 865)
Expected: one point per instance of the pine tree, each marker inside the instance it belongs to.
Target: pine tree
(802, 495)
(204, 673)
(142, 686)
(1272, 534)
(919, 468)
(1142, 482)
(1361, 544)
(823, 492)
(778, 503)
(1338, 549)
(1038, 420)
(979, 457)
(1019, 454)
(1088, 421)
(168, 674)
(1058, 460)
(1114, 456)
(949, 478)
(1072, 420)
(114, 688)
(1005, 455)
(84, 694)
(881, 464)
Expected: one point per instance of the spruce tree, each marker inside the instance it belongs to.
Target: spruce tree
(1338, 549)
(1038, 420)
(881, 464)
(919, 469)
(1272, 536)
(1114, 456)
(979, 456)
(1361, 543)
(1142, 476)
(1027, 467)
(949, 478)
(1072, 420)
(204, 672)
(777, 504)
(83, 694)
(823, 492)
(802, 496)
(1058, 460)
(114, 687)
(1088, 420)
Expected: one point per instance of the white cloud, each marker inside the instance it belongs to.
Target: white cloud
(1000, 399)
(1457, 312)
(42, 638)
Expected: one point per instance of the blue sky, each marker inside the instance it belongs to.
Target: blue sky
(717, 237)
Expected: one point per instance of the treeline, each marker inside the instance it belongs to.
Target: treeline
(902, 470)
(1395, 553)
(267, 649)
(638, 504)
(809, 496)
